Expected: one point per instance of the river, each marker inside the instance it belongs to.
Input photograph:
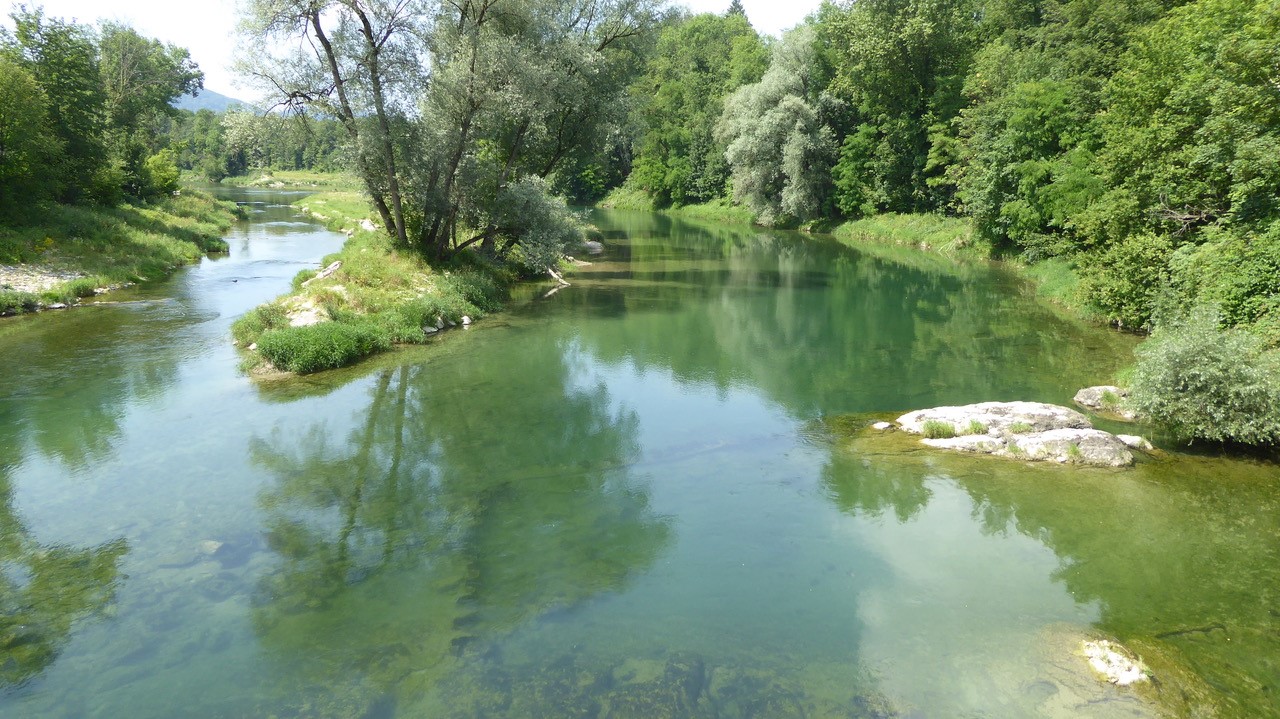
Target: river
(645, 495)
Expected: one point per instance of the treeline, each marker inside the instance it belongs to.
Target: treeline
(1132, 145)
(83, 111)
(240, 141)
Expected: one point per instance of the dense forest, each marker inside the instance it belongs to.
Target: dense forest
(1132, 147)
(82, 113)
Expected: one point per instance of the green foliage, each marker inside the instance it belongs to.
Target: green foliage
(160, 174)
(937, 429)
(319, 347)
(697, 62)
(975, 427)
(13, 302)
(1208, 383)
(248, 328)
(1021, 428)
(25, 142)
(779, 147)
(1124, 282)
(63, 58)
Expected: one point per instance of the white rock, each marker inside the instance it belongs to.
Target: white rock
(980, 443)
(367, 224)
(430, 330)
(1113, 662)
(58, 306)
(1135, 442)
(439, 323)
(253, 347)
(466, 320)
(882, 426)
(1078, 446)
(997, 417)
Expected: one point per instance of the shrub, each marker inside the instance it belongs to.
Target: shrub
(1124, 282)
(976, 427)
(1208, 383)
(319, 347)
(260, 319)
(15, 302)
(937, 429)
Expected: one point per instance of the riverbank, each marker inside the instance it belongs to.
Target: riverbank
(365, 298)
(76, 252)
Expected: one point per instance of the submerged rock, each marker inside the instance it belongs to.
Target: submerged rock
(1113, 662)
(882, 426)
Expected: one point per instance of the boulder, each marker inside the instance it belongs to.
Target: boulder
(1107, 399)
(882, 426)
(1076, 446)
(1021, 430)
(998, 418)
(368, 225)
(593, 247)
(979, 443)
(1135, 442)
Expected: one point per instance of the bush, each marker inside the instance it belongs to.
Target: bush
(1208, 383)
(1124, 282)
(15, 302)
(319, 347)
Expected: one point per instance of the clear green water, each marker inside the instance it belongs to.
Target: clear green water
(645, 495)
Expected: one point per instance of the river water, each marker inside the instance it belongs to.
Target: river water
(646, 495)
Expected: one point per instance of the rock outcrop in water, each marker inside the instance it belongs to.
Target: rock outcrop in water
(1022, 430)
(1106, 399)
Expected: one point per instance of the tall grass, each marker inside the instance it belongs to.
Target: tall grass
(114, 245)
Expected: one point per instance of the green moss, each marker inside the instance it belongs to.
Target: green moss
(937, 429)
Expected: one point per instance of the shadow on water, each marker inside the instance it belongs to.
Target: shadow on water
(45, 589)
(408, 541)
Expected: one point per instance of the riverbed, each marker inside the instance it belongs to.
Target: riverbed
(647, 494)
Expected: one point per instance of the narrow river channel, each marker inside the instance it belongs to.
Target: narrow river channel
(645, 495)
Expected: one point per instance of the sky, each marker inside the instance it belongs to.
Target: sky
(206, 28)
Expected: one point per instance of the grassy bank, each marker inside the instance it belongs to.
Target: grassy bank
(109, 247)
(721, 210)
(292, 178)
(375, 296)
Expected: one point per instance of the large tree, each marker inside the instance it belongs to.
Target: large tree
(62, 57)
(459, 113)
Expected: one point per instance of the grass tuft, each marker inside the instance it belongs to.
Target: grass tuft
(937, 429)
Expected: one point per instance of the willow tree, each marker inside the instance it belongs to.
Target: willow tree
(459, 112)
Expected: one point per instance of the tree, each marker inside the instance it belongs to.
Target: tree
(26, 145)
(697, 62)
(63, 60)
(779, 149)
(900, 65)
(451, 108)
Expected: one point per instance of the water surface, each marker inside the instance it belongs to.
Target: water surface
(648, 494)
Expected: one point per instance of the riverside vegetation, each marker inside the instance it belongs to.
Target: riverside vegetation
(88, 187)
(1125, 153)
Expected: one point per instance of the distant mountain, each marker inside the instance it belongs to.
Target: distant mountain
(209, 100)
